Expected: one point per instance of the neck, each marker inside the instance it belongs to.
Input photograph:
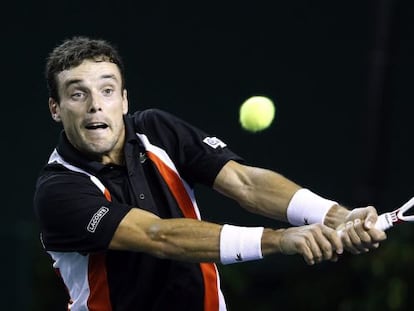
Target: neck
(117, 159)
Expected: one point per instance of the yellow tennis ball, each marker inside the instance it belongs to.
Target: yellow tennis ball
(257, 113)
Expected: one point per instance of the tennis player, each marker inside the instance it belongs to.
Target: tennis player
(117, 211)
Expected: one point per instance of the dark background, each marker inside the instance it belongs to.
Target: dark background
(340, 74)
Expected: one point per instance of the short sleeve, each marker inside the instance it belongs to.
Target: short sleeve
(73, 213)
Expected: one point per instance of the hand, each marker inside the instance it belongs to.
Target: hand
(314, 242)
(358, 232)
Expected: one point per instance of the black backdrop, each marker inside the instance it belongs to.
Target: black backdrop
(341, 77)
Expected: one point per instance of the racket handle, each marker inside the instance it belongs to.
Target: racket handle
(384, 222)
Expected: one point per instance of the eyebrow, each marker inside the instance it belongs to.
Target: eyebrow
(76, 81)
(109, 76)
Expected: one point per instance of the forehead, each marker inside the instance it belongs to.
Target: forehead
(90, 71)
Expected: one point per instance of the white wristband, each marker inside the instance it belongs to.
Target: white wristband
(238, 244)
(306, 207)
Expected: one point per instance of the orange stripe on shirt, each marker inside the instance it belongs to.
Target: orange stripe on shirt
(99, 299)
(175, 184)
(107, 195)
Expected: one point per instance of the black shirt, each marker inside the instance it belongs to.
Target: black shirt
(164, 158)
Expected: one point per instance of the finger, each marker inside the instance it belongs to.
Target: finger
(355, 237)
(375, 245)
(310, 248)
(335, 257)
(348, 237)
(371, 218)
(313, 245)
(324, 238)
(324, 248)
(334, 239)
(377, 235)
(306, 253)
(362, 233)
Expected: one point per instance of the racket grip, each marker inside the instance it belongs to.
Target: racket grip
(384, 222)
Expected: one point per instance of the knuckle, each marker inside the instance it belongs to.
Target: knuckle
(316, 226)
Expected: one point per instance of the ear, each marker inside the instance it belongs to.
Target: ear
(124, 102)
(54, 109)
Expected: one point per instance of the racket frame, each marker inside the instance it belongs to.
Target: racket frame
(387, 220)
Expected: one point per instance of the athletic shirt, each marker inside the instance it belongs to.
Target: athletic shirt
(79, 204)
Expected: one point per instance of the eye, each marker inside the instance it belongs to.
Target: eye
(108, 91)
(78, 95)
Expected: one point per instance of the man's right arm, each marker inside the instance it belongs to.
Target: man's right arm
(199, 241)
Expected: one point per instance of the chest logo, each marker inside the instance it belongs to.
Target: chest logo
(142, 157)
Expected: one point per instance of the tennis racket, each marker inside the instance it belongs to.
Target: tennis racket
(398, 216)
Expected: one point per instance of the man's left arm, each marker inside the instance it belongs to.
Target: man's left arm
(268, 193)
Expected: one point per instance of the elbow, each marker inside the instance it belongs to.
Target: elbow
(162, 244)
(155, 233)
(158, 239)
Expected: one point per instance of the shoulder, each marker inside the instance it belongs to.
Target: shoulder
(55, 180)
(58, 186)
(160, 125)
(152, 115)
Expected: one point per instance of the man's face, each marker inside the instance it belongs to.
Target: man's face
(91, 108)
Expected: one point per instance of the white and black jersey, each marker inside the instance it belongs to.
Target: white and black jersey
(79, 204)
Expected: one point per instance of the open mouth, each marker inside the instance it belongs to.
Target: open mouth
(96, 125)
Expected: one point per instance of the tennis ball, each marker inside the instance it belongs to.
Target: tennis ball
(256, 113)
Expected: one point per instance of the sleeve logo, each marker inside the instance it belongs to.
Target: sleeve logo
(96, 218)
(214, 142)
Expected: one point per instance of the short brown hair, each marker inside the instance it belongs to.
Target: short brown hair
(72, 52)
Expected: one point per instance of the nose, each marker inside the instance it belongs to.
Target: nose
(94, 104)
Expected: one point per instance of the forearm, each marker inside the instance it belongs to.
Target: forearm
(179, 239)
(199, 241)
(192, 240)
(258, 190)
(273, 200)
(185, 239)
(268, 193)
